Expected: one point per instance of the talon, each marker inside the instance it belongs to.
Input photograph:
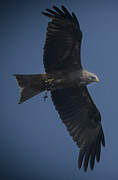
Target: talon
(45, 96)
(49, 80)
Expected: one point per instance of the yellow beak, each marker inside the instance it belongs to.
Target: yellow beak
(97, 79)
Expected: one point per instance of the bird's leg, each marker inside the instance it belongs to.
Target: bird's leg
(48, 84)
(49, 81)
(46, 95)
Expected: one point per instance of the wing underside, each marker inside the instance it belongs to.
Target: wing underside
(63, 41)
(82, 119)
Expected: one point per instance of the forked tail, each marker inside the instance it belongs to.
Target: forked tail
(30, 85)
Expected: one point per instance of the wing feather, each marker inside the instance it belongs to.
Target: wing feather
(58, 11)
(63, 41)
(83, 121)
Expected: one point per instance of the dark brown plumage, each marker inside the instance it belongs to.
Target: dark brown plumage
(83, 121)
(63, 41)
(67, 81)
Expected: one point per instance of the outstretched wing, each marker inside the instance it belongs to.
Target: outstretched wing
(83, 121)
(63, 41)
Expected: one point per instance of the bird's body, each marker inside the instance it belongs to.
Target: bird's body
(67, 81)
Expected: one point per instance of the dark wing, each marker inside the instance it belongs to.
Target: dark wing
(63, 41)
(82, 119)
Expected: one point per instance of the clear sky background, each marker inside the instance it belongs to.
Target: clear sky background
(34, 143)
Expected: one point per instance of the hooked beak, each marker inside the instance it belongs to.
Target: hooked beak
(97, 79)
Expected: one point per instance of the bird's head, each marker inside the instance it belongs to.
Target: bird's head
(90, 77)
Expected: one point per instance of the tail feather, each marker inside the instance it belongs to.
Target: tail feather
(30, 85)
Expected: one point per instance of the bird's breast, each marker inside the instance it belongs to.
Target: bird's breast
(75, 77)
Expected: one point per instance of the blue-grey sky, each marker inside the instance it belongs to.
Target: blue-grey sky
(34, 142)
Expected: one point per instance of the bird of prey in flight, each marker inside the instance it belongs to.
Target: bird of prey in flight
(67, 82)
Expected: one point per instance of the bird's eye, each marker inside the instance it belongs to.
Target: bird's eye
(92, 77)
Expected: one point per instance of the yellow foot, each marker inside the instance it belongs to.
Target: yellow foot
(49, 81)
(45, 96)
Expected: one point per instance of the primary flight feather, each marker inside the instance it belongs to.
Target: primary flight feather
(67, 81)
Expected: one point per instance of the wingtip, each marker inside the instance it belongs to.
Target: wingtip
(92, 168)
(64, 10)
(98, 159)
(85, 168)
(43, 13)
(54, 7)
(79, 165)
(80, 158)
(63, 7)
(103, 140)
(48, 15)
